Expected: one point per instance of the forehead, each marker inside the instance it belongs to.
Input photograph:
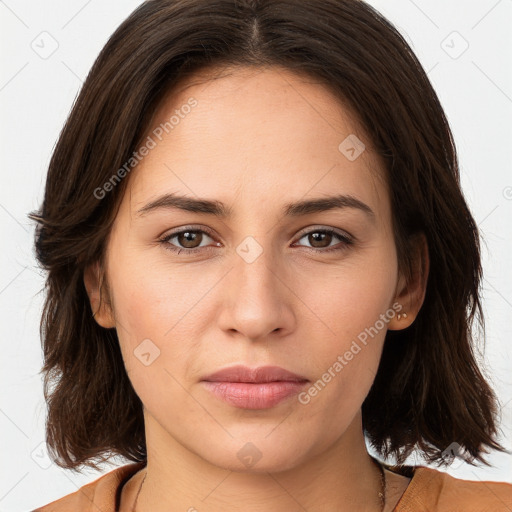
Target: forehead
(254, 132)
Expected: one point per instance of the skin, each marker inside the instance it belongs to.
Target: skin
(257, 140)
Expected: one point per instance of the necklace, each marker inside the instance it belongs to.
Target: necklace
(138, 492)
(382, 492)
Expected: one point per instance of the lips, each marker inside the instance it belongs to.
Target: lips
(254, 388)
(262, 374)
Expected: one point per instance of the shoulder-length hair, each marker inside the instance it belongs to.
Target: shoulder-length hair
(429, 392)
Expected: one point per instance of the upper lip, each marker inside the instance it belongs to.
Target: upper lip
(240, 373)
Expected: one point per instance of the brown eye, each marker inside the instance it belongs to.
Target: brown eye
(321, 240)
(186, 240)
(189, 239)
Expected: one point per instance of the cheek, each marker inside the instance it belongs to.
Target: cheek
(351, 298)
(352, 308)
(152, 299)
(154, 314)
(154, 332)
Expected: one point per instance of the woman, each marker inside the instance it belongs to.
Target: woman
(259, 257)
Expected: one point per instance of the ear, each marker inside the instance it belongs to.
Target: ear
(101, 308)
(410, 295)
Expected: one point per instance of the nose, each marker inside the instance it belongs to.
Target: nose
(257, 295)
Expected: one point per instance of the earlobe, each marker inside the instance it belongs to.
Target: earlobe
(101, 310)
(410, 295)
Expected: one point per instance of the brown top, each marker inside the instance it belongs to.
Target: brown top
(429, 490)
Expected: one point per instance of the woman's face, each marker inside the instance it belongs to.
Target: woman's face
(259, 281)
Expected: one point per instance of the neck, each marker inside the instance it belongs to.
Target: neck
(343, 476)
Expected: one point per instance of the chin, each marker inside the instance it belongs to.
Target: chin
(259, 455)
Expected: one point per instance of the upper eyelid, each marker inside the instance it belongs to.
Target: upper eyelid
(312, 229)
(185, 229)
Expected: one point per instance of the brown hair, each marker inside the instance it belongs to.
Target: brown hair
(429, 391)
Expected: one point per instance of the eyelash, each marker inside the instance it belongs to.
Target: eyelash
(345, 239)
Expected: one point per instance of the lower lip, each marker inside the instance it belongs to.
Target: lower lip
(254, 395)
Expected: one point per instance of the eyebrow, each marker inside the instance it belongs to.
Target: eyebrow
(219, 209)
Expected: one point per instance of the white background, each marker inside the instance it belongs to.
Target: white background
(36, 93)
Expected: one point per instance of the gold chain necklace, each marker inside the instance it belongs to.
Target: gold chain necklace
(382, 492)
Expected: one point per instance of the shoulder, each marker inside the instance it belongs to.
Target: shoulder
(101, 494)
(436, 491)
